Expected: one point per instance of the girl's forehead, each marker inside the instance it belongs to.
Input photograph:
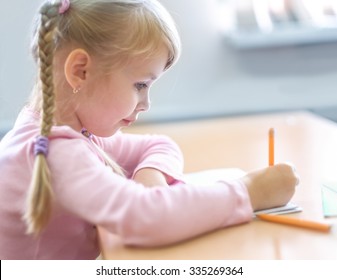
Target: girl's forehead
(150, 65)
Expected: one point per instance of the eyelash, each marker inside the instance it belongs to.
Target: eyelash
(140, 86)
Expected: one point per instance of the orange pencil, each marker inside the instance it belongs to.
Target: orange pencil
(271, 137)
(295, 222)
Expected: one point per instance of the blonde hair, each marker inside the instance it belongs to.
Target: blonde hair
(111, 30)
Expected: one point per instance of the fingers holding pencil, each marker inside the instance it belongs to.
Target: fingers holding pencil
(285, 180)
(271, 186)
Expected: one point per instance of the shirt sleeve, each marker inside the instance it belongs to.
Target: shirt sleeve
(141, 216)
(134, 152)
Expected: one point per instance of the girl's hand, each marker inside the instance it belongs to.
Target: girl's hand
(271, 187)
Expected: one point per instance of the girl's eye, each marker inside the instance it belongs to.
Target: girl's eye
(140, 86)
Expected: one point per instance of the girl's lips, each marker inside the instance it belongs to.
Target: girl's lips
(131, 120)
(128, 122)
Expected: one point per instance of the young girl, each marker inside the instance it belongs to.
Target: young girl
(66, 167)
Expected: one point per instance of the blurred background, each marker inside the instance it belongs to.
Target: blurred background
(239, 57)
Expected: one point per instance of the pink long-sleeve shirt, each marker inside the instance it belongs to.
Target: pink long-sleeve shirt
(87, 193)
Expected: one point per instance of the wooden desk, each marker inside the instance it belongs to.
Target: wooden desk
(306, 140)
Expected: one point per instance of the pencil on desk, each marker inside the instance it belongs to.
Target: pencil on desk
(295, 222)
(271, 138)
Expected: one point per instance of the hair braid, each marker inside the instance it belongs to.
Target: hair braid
(40, 191)
(46, 50)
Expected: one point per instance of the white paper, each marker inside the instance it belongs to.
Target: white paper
(213, 175)
(286, 209)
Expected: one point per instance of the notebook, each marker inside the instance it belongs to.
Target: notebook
(213, 175)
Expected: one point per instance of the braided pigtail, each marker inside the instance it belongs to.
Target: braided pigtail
(40, 193)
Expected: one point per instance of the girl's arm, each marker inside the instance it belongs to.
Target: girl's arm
(84, 186)
(151, 177)
(88, 189)
(148, 159)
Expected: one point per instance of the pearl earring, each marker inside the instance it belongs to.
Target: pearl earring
(76, 90)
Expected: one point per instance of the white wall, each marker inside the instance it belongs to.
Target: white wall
(211, 78)
(16, 66)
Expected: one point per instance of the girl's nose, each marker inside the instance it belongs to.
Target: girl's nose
(145, 103)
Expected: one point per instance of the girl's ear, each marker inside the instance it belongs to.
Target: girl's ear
(76, 68)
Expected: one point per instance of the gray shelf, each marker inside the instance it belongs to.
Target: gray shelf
(291, 35)
(257, 25)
